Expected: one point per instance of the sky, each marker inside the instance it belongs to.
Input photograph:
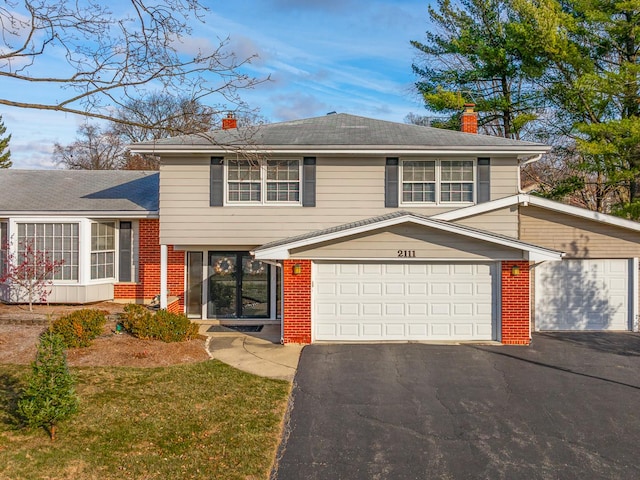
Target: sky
(347, 56)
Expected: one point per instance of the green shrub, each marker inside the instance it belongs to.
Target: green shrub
(50, 395)
(79, 328)
(161, 325)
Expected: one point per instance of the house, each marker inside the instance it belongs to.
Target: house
(345, 228)
(340, 228)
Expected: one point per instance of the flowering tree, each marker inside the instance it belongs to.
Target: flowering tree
(29, 273)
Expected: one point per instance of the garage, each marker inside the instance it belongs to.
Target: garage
(591, 294)
(375, 301)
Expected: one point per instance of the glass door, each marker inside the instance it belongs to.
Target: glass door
(194, 284)
(238, 286)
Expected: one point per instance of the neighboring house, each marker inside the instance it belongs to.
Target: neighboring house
(338, 228)
(345, 228)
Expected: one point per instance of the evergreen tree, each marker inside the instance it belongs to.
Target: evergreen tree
(5, 153)
(50, 394)
(469, 56)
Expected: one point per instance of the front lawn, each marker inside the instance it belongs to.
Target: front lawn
(203, 420)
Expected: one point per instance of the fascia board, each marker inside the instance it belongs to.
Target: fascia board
(72, 214)
(281, 252)
(358, 150)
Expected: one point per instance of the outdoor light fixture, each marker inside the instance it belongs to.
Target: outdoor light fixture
(515, 270)
(297, 269)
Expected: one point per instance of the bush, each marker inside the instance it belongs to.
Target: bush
(78, 329)
(50, 394)
(161, 325)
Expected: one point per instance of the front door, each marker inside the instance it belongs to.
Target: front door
(238, 286)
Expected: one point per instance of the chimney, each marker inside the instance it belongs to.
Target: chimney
(469, 119)
(229, 122)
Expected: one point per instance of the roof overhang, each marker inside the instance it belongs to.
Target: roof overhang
(385, 150)
(526, 199)
(86, 214)
(282, 250)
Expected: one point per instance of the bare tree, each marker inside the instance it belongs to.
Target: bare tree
(110, 58)
(92, 150)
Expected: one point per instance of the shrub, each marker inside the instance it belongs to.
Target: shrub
(50, 394)
(78, 329)
(161, 325)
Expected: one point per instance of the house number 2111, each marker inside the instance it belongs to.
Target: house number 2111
(407, 253)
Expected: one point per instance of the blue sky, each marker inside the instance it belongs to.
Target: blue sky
(322, 55)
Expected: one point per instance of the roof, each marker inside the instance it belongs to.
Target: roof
(279, 249)
(339, 133)
(64, 192)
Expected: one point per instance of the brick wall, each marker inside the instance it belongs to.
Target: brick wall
(515, 304)
(148, 285)
(297, 302)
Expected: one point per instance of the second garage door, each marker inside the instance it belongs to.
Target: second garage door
(583, 295)
(410, 301)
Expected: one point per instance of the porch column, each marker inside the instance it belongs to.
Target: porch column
(164, 256)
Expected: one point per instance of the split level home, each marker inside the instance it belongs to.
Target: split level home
(337, 228)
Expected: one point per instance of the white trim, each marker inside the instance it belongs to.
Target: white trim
(164, 260)
(634, 294)
(535, 253)
(263, 166)
(525, 199)
(117, 214)
(498, 301)
(383, 150)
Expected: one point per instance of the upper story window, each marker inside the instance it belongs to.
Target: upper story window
(438, 181)
(266, 182)
(103, 250)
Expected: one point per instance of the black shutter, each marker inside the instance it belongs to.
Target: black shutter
(309, 182)
(124, 257)
(484, 177)
(391, 183)
(216, 187)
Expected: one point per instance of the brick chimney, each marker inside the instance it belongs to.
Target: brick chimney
(229, 122)
(469, 119)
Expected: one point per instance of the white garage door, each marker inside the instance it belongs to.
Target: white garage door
(583, 295)
(394, 301)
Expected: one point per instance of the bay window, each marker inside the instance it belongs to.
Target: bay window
(103, 250)
(58, 240)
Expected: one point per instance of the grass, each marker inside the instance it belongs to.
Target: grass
(204, 420)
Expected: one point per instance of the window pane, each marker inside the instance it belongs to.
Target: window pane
(58, 241)
(419, 171)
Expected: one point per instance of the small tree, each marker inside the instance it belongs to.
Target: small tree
(50, 395)
(29, 273)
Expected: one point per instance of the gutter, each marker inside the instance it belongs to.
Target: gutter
(526, 162)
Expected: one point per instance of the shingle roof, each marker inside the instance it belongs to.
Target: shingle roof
(337, 130)
(60, 191)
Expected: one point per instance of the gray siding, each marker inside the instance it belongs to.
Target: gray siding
(427, 243)
(503, 221)
(577, 237)
(348, 189)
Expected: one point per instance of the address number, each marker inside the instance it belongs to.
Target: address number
(407, 253)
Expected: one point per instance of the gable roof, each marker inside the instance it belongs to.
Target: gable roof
(118, 193)
(279, 250)
(338, 133)
(526, 199)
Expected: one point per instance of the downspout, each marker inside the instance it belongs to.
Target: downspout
(278, 265)
(526, 162)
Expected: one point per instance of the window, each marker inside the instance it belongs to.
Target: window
(103, 250)
(438, 181)
(58, 240)
(456, 181)
(247, 181)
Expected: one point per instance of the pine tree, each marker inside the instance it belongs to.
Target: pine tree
(5, 153)
(50, 394)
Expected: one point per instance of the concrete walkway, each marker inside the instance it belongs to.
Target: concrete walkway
(259, 353)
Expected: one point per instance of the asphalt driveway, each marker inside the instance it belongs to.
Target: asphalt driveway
(566, 407)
